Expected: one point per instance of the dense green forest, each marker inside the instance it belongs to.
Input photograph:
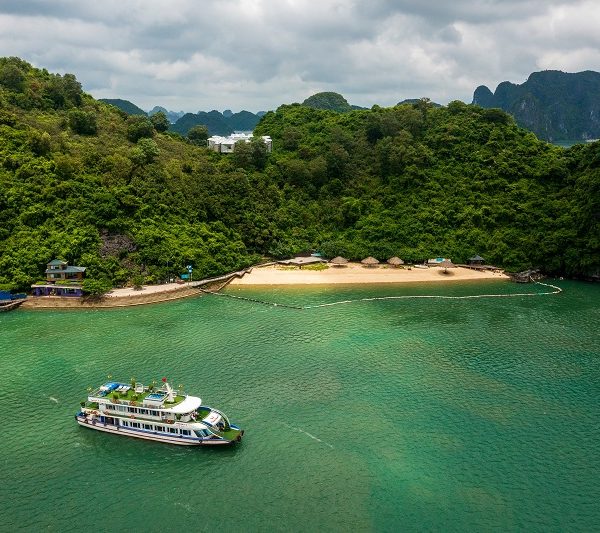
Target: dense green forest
(85, 182)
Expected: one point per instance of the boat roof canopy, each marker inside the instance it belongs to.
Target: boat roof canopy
(189, 404)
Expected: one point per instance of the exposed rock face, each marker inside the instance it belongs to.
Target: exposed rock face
(554, 105)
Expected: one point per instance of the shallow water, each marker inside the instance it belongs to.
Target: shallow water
(388, 415)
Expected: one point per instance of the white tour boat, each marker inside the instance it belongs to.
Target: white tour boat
(156, 413)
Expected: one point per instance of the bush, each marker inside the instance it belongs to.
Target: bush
(160, 121)
(83, 122)
(139, 127)
(96, 287)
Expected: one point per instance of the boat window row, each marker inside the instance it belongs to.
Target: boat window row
(155, 427)
(133, 410)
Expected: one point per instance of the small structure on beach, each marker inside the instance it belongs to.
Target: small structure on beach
(476, 260)
(446, 264)
(339, 261)
(301, 261)
(395, 261)
(370, 262)
(62, 279)
(436, 261)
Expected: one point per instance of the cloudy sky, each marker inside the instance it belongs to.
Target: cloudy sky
(257, 54)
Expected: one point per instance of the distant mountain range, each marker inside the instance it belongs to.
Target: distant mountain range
(555, 105)
(218, 123)
(181, 122)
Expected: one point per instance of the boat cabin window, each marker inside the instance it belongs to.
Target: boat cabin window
(173, 430)
(135, 424)
(147, 426)
(185, 432)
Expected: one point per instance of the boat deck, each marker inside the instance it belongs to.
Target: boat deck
(134, 398)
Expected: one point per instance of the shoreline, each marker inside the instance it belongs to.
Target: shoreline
(267, 276)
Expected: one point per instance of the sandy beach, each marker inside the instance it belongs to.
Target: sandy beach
(357, 273)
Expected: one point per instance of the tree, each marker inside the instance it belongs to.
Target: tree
(160, 122)
(96, 287)
(258, 149)
(242, 155)
(145, 152)
(198, 135)
(12, 77)
(83, 122)
(139, 127)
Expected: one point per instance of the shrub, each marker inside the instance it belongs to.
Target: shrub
(83, 122)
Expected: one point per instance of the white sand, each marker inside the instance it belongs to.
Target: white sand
(357, 273)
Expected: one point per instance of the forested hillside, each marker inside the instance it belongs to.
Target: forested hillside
(84, 182)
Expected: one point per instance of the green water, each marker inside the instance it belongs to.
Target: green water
(389, 415)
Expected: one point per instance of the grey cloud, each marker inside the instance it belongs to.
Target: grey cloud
(258, 54)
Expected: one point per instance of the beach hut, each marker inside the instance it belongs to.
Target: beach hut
(395, 261)
(446, 264)
(339, 261)
(370, 262)
(476, 260)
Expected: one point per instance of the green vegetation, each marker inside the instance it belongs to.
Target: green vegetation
(131, 201)
(329, 101)
(124, 105)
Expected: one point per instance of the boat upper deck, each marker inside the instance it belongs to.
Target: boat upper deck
(138, 395)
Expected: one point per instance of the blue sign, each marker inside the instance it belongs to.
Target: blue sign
(184, 276)
(189, 267)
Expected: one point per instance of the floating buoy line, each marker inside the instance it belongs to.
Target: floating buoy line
(555, 290)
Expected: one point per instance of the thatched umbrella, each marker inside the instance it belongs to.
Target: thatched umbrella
(476, 260)
(395, 261)
(446, 264)
(339, 261)
(369, 261)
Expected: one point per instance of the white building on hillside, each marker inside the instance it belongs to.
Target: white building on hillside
(226, 145)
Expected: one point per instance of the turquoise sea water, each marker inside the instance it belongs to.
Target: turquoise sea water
(388, 415)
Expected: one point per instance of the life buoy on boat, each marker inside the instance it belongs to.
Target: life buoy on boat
(131, 416)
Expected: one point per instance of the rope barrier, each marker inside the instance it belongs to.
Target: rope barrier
(556, 290)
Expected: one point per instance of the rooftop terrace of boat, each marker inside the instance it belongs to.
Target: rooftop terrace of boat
(130, 397)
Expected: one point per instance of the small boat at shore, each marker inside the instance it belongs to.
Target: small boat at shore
(156, 413)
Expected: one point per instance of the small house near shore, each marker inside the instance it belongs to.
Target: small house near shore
(62, 279)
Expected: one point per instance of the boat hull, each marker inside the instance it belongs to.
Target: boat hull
(150, 435)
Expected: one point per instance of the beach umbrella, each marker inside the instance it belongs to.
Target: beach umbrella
(446, 264)
(339, 261)
(370, 261)
(395, 261)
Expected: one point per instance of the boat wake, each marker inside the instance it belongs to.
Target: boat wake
(53, 399)
(300, 430)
